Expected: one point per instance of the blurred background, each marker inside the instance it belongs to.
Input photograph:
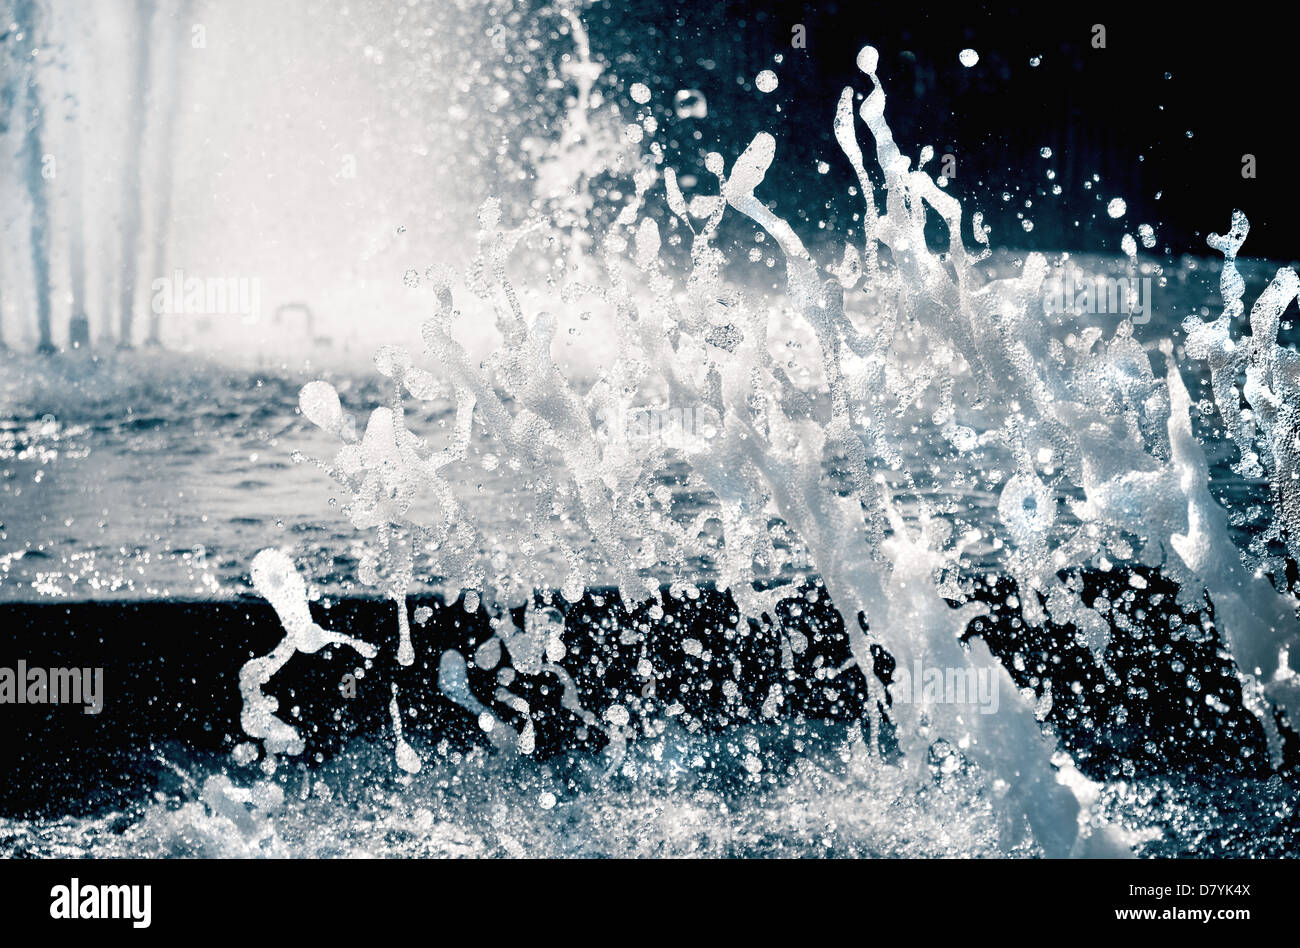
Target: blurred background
(308, 161)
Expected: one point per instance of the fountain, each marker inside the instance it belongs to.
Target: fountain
(658, 506)
(896, 328)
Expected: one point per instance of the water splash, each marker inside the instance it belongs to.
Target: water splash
(277, 580)
(1093, 450)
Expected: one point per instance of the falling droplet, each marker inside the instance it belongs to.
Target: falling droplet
(405, 754)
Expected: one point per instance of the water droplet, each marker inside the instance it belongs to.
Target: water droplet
(968, 57)
(640, 93)
(765, 81)
(690, 103)
(1116, 208)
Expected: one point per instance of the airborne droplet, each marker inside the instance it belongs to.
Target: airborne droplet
(690, 103)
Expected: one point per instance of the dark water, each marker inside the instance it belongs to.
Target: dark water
(710, 768)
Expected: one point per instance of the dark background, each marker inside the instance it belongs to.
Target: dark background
(1108, 112)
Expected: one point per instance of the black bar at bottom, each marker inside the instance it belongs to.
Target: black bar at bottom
(602, 899)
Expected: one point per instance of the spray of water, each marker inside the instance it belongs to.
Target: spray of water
(132, 207)
(27, 20)
(798, 471)
(174, 93)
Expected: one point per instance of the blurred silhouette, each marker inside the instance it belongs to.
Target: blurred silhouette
(132, 211)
